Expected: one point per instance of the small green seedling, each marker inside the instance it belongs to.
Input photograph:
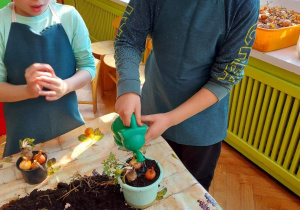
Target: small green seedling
(114, 169)
(50, 166)
(26, 147)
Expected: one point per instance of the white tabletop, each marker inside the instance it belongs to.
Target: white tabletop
(286, 58)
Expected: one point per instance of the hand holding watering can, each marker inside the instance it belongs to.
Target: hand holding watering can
(132, 138)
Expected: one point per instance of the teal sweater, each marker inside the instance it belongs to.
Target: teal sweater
(196, 44)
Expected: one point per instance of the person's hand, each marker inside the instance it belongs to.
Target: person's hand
(127, 104)
(32, 73)
(158, 124)
(57, 87)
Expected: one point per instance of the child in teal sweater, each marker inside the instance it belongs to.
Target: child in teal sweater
(200, 49)
(45, 56)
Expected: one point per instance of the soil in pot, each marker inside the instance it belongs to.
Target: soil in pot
(88, 192)
(141, 180)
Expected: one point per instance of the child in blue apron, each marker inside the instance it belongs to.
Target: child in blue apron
(199, 51)
(45, 56)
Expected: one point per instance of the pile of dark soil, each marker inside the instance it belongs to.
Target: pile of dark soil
(141, 180)
(88, 192)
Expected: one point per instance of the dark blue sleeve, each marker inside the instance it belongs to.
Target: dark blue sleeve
(136, 24)
(232, 57)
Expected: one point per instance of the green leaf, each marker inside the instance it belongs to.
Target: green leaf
(26, 143)
(51, 162)
(174, 156)
(83, 138)
(144, 151)
(29, 141)
(98, 137)
(97, 131)
(161, 193)
(7, 159)
(50, 172)
(56, 168)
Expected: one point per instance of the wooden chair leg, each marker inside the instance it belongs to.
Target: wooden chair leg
(101, 76)
(94, 96)
(94, 84)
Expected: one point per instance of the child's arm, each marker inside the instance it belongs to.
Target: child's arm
(13, 93)
(81, 43)
(136, 24)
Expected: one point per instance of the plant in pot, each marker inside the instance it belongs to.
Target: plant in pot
(139, 180)
(32, 164)
(140, 176)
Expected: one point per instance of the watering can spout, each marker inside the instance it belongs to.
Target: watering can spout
(132, 138)
(139, 156)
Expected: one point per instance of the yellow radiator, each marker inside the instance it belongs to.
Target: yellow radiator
(264, 121)
(98, 16)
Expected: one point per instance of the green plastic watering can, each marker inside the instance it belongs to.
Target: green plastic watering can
(132, 138)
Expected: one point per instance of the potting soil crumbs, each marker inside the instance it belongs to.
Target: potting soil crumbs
(86, 192)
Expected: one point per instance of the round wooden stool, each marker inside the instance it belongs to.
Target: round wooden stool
(102, 48)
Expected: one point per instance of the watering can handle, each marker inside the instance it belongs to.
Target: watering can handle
(133, 123)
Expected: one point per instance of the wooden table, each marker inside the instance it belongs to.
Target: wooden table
(183, 190)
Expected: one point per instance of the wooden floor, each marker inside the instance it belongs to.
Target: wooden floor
(238, 184)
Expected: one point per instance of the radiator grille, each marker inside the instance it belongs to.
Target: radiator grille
(97, 18)
(266, 117)
(100, 23)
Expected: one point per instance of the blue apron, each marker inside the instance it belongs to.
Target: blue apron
(38, 118)
(185, 45)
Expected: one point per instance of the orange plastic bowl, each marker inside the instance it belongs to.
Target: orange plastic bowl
(274, 39)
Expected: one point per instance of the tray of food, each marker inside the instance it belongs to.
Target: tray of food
(277, 28)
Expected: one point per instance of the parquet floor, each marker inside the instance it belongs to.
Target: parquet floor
(238, 184)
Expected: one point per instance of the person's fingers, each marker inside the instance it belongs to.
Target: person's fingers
(47, 93)
(47, 85)
(51, 98)
(49, 79)
(38, 74)
(137, 114)
(147, 139)
(38, 87)
(40, 68)
(146, 118)
(148, 135)
(49, 69)
(126, 118)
